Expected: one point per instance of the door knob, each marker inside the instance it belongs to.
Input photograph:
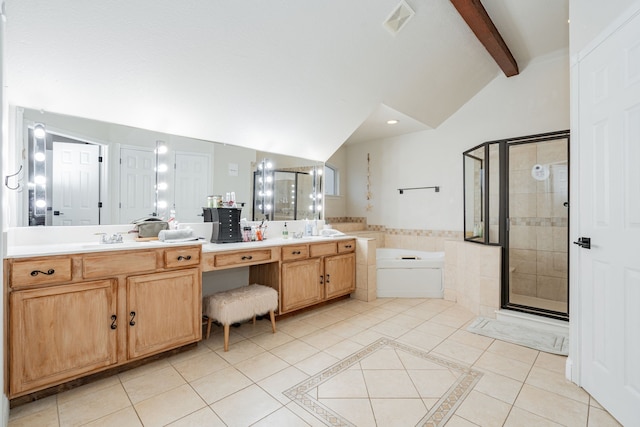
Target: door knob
(584, 242)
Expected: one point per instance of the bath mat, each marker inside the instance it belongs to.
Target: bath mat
(549, 342)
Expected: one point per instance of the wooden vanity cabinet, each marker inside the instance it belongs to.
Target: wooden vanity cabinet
(326, 272)
(164, 311)
(114, 307)
(61, 332)
(339, 275)
(300, 284)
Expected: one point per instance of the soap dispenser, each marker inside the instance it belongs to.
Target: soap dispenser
(285, 232)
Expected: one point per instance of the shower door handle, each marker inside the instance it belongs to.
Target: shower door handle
(584, 242)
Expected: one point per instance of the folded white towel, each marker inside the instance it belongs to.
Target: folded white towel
(183, 235)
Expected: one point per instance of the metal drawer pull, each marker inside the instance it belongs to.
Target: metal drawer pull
(247, 257)
(133, 316)
(295, 253)
(182, 258)
(322, 280)
(48, 272)
(347, 246)
(113, 321)
(328, 277)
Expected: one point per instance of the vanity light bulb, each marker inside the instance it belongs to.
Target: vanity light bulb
(269, 193)
(269, 178)
(39, 132)
(268, 207)
(39, 156)
(162, 204)
(162, 167)
(311, 207)
(260, 193)
(319, 171)
(162, 149)
(260, 206)
(311, 196)
(319, 196)
(162, 186)
(41, 203)
(260, 179)
(269, 165)
(319, 208)
(40, 180)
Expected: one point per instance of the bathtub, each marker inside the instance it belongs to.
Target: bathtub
(409, 274)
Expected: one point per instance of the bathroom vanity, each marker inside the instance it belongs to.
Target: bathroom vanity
(77, 309)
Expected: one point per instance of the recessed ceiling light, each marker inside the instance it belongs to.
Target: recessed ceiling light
(392, 122)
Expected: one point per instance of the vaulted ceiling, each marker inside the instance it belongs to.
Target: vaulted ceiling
(292, 77)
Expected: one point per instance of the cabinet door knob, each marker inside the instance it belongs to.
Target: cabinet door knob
(114, 318)
(49, 272)
(133, 316)
(322, 280)
(184, 258)
(328, 277)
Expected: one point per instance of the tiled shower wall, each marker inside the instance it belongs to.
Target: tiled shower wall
(538, 221)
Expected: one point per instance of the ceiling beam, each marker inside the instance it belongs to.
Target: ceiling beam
(482, 26)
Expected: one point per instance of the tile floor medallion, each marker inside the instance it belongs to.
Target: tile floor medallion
(400, 381)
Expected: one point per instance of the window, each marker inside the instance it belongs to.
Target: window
(331, 180)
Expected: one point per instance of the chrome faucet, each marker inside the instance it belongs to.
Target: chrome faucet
(114, 238)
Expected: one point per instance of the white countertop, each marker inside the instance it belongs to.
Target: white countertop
(24, 251)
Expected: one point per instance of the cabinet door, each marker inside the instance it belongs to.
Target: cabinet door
(61, 332)
(164, 311)
(301, 284)
(339, 275)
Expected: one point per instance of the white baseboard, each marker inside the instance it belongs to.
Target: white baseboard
(545, 323)
(4, 411)
(568, 369)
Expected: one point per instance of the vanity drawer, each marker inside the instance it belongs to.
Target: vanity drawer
(320, 249)
(292, 252)
(131, 262)
(243, 258)
(346, 246)
(181, 257)
(40, 272)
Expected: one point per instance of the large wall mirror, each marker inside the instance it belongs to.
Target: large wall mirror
(76, 171)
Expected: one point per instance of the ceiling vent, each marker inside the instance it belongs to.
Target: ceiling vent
(398, 18)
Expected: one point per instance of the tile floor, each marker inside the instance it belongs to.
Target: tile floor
(391, 362)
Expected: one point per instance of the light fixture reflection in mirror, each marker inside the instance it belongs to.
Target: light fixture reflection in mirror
(161, 185)
(265, 190)
(316, 193)
(39, 199)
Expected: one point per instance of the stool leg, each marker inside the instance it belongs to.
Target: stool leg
(273, 321)
(226, 337)
(254, 319)
(209, 322)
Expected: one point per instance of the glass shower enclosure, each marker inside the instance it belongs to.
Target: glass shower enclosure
(516, 195)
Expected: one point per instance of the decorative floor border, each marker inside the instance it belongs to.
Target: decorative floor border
(436, 417)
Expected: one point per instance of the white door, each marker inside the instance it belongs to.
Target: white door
(192, 185)
(76, 184)
(609, 214)
(137, 184)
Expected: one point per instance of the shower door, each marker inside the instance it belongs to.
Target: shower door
(536, 276)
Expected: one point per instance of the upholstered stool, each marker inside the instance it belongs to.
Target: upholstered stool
(240, 304)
